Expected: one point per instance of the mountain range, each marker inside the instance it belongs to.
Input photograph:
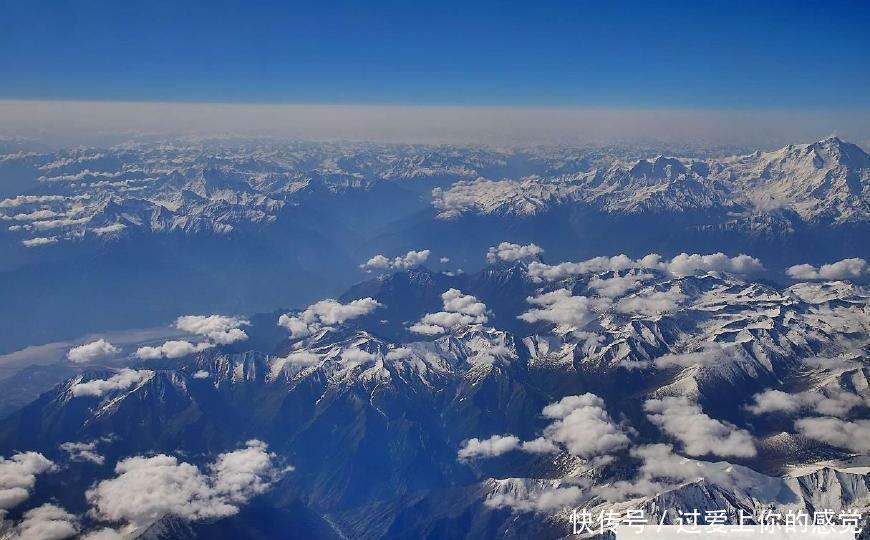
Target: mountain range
(100, 229)
(438, 404)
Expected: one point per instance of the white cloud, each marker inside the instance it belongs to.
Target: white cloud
(218, 328)
(109, 229)
(508, 252)
(580, 423)
(402, 262)
(444, 260)
(200, 374)
(584, 427)
(651, 303)
(36, 214)
(30, 199)
(561, 308)
(547, 500)
(490, 354)
(80, 451)
(459, 310)
(660, 468)
(699, 433)
(353, 357)
(803, 272)
(376, 262)
(541, 445)
(18, 476)
(399, 353)
(681, 265)
(121, 381)
(89, 352)
(544, 272)
(456, 302)
(710, 354)
(324, 314)
(854, 435)
(297, 360)
(46, 522)
(845, 269)
(39, 241)
(832, 402)
(618, 285)
(148, 488)
(686, 265)
(491, 447)
(498, 445)
(172, 349)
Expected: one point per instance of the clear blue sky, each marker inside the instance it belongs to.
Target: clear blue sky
(706, 54)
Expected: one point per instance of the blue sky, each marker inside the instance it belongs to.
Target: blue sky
(545, 53)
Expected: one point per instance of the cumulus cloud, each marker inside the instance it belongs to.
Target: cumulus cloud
(402, 262)
(509, 252)
(584, 427)
(89, 352)
(35, 215)
(491, 447)
(580, 424)
(18, 476)
(651, 303)
(561, 308)
(854, 435)
(502, 444)
(31, 199)
(544, 272)
(709, 354)
(444, 260)
(200, 374)
(699, 433)
(660, 469)
(681, 265)
(399, 353)
(541, 445)
(218, 328)
(845, 269)
(617, 286)
(353, 357)
(148, 488)
(81, 451)
(686, 265)
(296, 360)
(47, 522)
(121, 381)
(172, 349)
(109, 229)
(832, 402)
(459, 310)
(39, 241)
(324, 314)
(547, 500)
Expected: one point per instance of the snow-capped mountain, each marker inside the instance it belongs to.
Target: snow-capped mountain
(218, 188)
(826, 181)
(497, 402)
(143, 215)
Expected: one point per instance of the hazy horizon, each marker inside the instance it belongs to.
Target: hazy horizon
(65, 123)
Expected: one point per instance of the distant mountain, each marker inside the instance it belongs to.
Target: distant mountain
(824, 182)
(258, 224)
